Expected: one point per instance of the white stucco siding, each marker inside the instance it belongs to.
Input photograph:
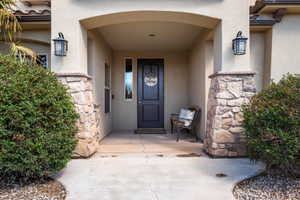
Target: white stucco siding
(175, 80)
(42, 36)
(68, 14)
(176, 84)
(214, 8)
(257, 55)
(285, 47)
(200, 67)
(99, 54)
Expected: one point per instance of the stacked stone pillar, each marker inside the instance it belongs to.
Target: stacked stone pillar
(224, 132)
(80, 87)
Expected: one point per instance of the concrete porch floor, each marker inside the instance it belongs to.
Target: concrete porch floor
(127, 142)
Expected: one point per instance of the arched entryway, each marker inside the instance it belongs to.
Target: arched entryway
(192, 46)
(173, 46)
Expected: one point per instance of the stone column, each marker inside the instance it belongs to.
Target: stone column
(224, 133)
(80, 87)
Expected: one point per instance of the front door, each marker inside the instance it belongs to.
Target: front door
(150, 93)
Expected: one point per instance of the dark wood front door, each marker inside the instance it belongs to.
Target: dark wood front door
(150, 93)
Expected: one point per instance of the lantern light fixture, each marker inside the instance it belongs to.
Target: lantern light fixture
(239, 44)
(60, 45)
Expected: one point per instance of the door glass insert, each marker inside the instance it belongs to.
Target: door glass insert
(128, 79)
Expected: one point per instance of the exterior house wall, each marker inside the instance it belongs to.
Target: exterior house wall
(285, 47)
(41, 36)
(99, 55)
(79, 12)
(268, 58)
(200, 67)
(273, 53)
(175, 80)
(257, 55)
(80, 17)
(209, 70)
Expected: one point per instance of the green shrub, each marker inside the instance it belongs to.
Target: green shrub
(272, 123)
(37, 121)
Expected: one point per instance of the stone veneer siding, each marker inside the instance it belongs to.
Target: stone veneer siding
(224, 132)
(80, 87)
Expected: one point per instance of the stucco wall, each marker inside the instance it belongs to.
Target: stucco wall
(225, 17)
(268, 58)
(231, 15)
(42, 36)
(257, 55)
(200, 67)
(285, 47)
(99, 54)
(176, 95)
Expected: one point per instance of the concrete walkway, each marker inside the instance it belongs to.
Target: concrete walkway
(149, 177)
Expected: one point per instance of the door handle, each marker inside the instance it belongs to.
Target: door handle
(139, 102)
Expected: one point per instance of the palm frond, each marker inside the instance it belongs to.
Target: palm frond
(23, 53)
(7, 4)
(9, 24)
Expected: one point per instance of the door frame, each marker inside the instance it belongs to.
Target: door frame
(162, 62)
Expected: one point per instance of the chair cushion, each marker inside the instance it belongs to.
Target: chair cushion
(182, 123)
(186, 122)
(186, 114)
(178, 123)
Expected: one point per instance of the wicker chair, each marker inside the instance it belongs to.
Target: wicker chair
(189, 122)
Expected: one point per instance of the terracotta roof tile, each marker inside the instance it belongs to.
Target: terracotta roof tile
(32, 12)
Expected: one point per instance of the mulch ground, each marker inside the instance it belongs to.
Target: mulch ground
(268, 186)
(47, 189)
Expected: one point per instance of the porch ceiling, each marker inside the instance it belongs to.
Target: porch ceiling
(151, 36)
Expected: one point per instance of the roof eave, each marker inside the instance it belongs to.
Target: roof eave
(34, 18)
(259, 5)
(254, 22)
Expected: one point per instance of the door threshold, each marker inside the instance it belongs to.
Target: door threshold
(150, 131)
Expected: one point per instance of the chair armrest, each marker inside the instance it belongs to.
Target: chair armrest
(174, 116)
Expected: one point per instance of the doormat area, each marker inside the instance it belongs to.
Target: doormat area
(150, 131)
(188, 155)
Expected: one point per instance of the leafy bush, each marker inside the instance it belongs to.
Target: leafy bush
(272, 123)
(37, 121)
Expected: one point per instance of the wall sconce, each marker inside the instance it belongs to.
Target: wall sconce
(60, 45)
(239, 44)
